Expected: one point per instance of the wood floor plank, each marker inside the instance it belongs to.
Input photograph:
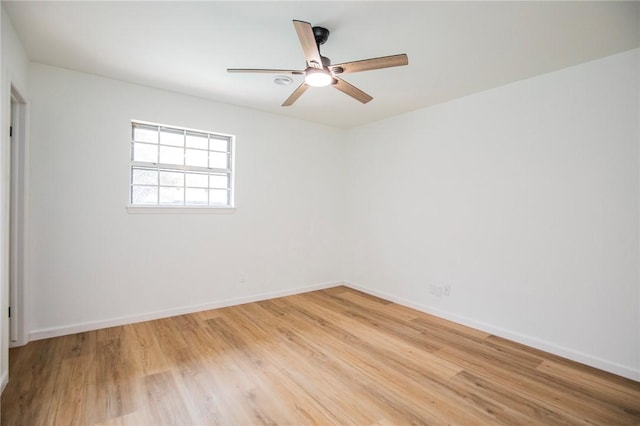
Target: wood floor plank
(523, 408)
(299, 331)
(163, 403)
(414, 373)
(39, 377)
(398, 311)
(562, 399)
(382, 345)
(334, 356)
(604, 390)
(383, 323)
(144, 351)
(404, 390)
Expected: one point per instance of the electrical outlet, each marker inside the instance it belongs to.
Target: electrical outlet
(446, 290)
(243, 277)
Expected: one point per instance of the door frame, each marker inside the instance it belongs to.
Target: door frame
(18, 206)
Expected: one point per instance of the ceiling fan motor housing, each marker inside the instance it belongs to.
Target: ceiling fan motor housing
(321, 35)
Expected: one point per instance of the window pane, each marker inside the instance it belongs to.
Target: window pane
(219, 145)
(171, 179)
(144, 177)
(197, 180)
(218, 160)
(172, 137)
(217, 196)
(197, 140)
(170, 155)
(217, 181)
(178, 167)
(145, 134)
(196, 196)
(196, 157)
(171, 195)
(144, 195)
(145, 152)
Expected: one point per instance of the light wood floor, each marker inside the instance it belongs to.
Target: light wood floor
(335, 356)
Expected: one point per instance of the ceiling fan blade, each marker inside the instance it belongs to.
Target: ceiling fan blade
(266, 71)
(351, 90)
(370, 64)
(296, 94)
(308, 42)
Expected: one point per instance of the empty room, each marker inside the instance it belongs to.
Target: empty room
(340, 212)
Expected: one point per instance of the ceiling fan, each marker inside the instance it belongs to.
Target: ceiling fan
(320, 72)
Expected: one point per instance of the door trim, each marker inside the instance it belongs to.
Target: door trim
(18, 206)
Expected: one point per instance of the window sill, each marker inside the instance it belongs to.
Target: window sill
(180, 210)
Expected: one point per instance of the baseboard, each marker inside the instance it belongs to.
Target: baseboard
(533, 342)
(46, 333)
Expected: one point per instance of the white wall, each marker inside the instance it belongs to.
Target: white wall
(93, 264)
(523, 198)
(14, 73)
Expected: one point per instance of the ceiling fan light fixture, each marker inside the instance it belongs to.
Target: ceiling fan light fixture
(318, 77)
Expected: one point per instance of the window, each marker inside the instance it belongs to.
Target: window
(171, 166)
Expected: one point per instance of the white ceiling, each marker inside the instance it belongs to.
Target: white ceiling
(454, 48)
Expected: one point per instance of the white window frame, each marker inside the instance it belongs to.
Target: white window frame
(158, 207)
